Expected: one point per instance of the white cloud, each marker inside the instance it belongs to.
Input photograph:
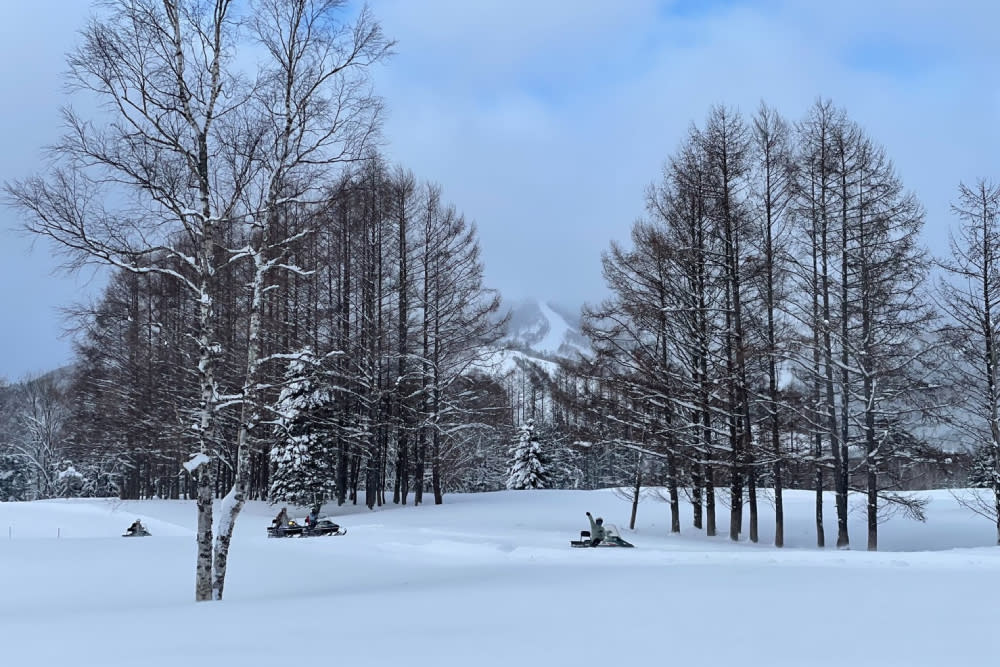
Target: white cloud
(547, 126)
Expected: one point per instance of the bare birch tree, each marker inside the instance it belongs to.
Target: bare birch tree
(125, 191)
(190, 150)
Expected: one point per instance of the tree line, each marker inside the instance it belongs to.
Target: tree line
(774, 312)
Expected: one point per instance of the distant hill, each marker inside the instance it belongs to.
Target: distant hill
(545, 329)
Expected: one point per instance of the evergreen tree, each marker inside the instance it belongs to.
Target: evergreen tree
(14, 478)
(303, 454)
(561, 461)
(980, 472)
(527, 466)
(70, 482)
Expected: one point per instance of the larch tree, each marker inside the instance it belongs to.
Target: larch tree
(771, 195)
(459, 326)
(815, 278)
(632, 347)
(890, 349)
(699, 291)
(970, 296)
(403, 190)
(725, 143)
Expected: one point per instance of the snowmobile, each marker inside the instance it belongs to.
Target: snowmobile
(136, 531)
(611, 539)
(321, 527)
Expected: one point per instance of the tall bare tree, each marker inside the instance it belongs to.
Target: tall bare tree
(771, 155)
(888, 268)
(121, 191)
(193, 149)
(970, 295)
(725, 142)
(815, 203)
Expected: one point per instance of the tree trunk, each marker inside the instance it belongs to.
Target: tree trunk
(232, 504)
(816, 381)
(636, 490)
(710, 529)
(696, 494)
(206, 370)
(203, 569)
(436, 470)
(843, 541)
(675, 513)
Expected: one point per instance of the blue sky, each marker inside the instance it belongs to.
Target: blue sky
(544, 120)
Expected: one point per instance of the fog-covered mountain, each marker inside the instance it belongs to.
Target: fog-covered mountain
(545, 329)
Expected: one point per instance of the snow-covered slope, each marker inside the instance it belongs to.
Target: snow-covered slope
(541, 328)
(489, 579)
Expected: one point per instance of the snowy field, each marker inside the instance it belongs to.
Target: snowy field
(489, 579)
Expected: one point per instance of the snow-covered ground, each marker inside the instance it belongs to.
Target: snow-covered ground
(489, 579)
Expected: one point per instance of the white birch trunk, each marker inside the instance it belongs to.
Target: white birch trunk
(233, 503)
(204, 473)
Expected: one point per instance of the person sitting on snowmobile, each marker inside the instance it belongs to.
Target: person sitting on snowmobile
(135, 528)
(312, 518)
(281, 520)
(597, 530)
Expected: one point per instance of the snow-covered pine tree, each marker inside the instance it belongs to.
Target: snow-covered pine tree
(303, 459)
(15, 478)
(69, 481)
(561, 461)
(527, 465)
(981, 469)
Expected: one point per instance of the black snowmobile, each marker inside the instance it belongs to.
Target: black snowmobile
(136, 530)
(611, 539)
(319, 528)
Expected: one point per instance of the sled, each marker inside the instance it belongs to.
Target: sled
(611, 539)
(322, 528)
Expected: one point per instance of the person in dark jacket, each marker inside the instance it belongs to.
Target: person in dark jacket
(281, 521)
(136, 528)
(597, 530)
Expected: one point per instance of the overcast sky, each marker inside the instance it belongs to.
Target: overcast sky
(544, 120)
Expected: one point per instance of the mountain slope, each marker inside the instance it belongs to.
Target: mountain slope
(543, 329)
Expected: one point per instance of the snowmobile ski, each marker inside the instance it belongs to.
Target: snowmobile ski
(612, 541)
(141, 533)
